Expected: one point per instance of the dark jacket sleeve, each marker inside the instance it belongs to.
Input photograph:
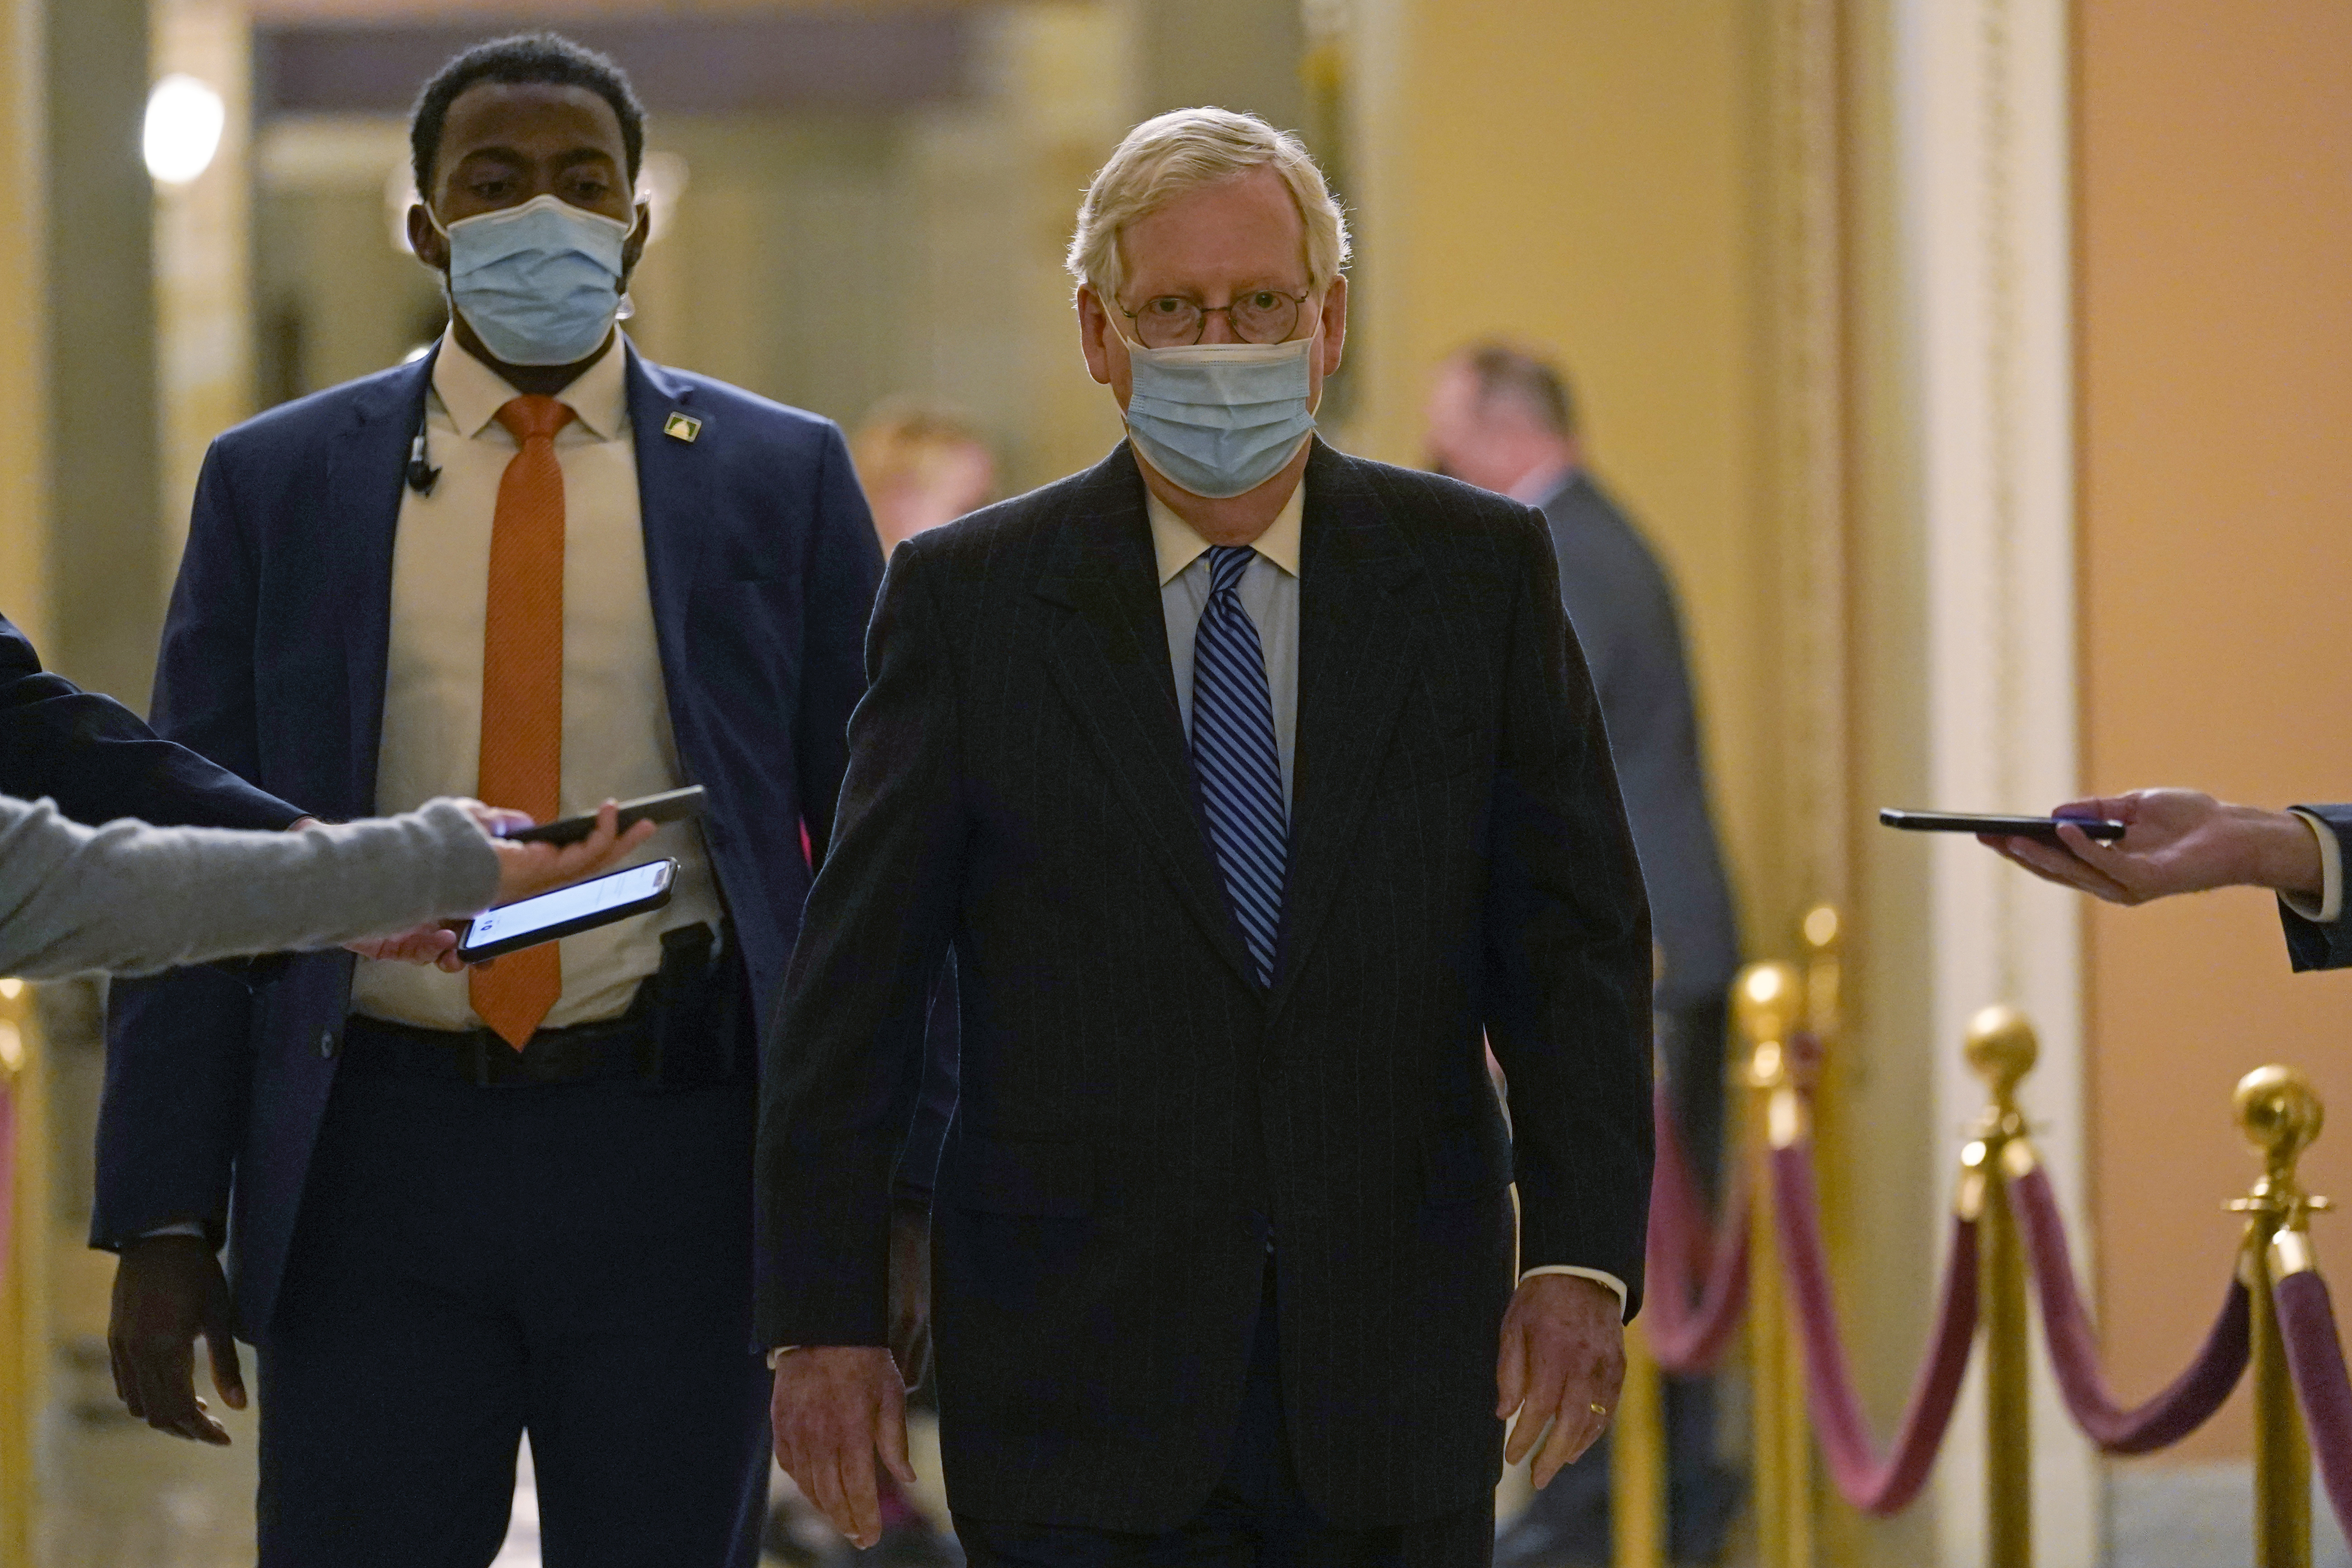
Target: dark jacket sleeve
(842, 1063)
(179, 1047)
(844, 568)
(2309, 944)
(100, 763)
(1567, 954)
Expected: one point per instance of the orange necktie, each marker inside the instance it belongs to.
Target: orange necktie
(522, 688)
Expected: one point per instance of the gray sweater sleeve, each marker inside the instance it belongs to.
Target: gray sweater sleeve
(128, 899)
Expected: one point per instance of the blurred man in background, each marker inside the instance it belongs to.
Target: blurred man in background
(1503, 419)
(470, 1206)
(921, 465)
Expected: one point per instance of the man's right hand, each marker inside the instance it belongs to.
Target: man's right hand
(833, 1408)
(2175, 841)
(168, 1291)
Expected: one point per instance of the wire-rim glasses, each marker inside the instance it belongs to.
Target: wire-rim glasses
(1174, 322)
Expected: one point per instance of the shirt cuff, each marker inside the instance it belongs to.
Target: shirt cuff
(178, 1227)
(1597, 1276)
(2330, 907)
(779, 1353)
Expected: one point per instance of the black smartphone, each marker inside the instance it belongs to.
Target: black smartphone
(567, 911)
(2044, 829)
(670, 805)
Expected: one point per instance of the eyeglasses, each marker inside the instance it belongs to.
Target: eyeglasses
(1172, 321)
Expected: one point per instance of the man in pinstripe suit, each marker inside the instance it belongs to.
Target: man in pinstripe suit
(1252, 785)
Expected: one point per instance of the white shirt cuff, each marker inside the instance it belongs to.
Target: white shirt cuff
(178, 1227)
(2330, 907)
(1596, 1274)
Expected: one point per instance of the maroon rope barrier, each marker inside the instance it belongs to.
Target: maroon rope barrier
(2185, 1404)
(1874, 1486)
(1687, 1253)
(2306, 1319)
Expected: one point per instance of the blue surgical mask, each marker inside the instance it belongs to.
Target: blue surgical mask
(540, 283)
(1220, 419)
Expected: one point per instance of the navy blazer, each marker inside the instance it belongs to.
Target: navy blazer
(2310, 944)
(763, 565)
(98, 760)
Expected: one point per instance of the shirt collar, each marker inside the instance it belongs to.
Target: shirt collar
(473, 393)
(1177, 546)
(1537, 485)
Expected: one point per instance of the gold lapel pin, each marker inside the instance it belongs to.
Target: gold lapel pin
(682, 427)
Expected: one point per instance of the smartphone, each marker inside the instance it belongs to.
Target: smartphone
(670, 805)
(566, 911)
(2044, 829)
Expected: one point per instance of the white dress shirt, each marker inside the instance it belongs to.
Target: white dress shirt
(1269, 591)
(2330, 907)
(616, 733)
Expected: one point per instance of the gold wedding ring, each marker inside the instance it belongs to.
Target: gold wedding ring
(1600, 1409)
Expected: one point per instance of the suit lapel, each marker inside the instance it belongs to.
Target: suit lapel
(673, 501)
(1359, 645)
(1110, 659)
(366, 484)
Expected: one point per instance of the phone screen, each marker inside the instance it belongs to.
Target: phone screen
(578, 901)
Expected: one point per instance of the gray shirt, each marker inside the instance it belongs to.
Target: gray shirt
(1268, 590)
(128, 899)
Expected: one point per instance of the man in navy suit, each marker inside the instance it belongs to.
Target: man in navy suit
(2183, 841)
(98, 760)
(466, 1206)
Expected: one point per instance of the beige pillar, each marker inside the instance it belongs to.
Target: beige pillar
(203, 342)
(106, 590)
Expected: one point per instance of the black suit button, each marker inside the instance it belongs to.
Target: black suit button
(327, 1043)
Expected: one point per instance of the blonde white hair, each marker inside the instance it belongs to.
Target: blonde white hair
(1178, 154)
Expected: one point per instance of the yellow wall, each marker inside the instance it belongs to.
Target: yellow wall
(1579, 174)
(2215, 373)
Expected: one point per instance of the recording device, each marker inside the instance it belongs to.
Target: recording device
(567, 911)
(2044, 829)
(670, 805)
(422, 475)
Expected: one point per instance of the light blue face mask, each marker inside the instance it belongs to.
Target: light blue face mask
(540, 283)
(1220, 419)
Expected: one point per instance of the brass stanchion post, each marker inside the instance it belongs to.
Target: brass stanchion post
(24, 1338)
(2001, 1050)
(2280, 1114)
(1637, 1471)
(1769, 1000)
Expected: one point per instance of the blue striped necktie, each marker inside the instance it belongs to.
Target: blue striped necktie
(1234, 758)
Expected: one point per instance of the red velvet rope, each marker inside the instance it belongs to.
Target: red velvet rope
(1684, 1246)
(2306, 1319)
(2191, 1398)
(1872, 1485)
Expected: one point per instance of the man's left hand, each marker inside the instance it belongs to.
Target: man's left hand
(1563, 1354)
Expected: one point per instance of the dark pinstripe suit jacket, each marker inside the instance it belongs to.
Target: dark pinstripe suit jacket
(1138, 1117)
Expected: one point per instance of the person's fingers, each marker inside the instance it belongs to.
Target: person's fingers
(1571, 1435)
(1541, 1405)
(229, 1376)
(2061, 865)
(862, 1495)
(1511, 1367)
(892, 1439)
(821, 1482)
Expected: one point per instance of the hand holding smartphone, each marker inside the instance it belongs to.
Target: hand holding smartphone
(567, 911)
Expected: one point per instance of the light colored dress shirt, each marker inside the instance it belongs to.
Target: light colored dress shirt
(1269, 591)
(2330, 907)
(616, 732)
